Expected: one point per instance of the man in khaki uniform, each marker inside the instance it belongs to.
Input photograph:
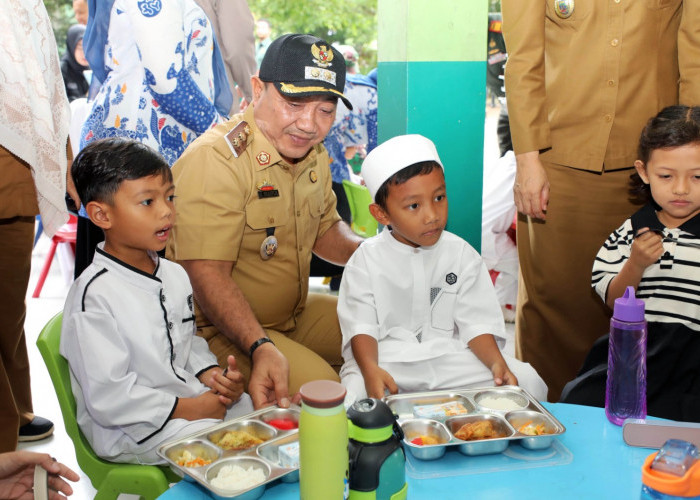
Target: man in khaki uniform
(582, 79)
(254, 200)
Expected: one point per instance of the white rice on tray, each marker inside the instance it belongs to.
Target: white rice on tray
(235, 477)
(499, 403)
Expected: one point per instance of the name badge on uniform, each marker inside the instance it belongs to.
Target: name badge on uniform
(564, 8)
(267, 190)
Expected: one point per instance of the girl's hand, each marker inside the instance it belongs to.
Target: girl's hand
(647, 248)
(377, 381)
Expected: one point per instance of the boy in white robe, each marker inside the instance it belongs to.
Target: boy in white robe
(139, 374)
(416, 306)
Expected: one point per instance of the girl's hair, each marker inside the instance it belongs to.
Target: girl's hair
(673, 127)
(101, 167)
(403, 175)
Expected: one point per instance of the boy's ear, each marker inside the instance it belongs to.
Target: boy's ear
(642, 171)
(99, 214)
(379, 214)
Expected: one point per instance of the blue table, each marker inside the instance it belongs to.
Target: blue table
(590, 460)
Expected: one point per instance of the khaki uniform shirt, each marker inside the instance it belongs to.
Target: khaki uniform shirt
(221, 216)
(584, 87)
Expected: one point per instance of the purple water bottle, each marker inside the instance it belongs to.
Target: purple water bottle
(626, 388)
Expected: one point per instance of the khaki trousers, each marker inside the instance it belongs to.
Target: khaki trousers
(559, 316)
(312, 348)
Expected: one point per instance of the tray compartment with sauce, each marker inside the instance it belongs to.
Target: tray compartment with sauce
(263, 455)
(481, 434)
(498, 405)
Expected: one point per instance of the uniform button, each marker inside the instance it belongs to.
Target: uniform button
(608, 118)
(611, 83)
(614, 42)
(162, 297)
(271, 220)
(170, 325)
(300, 249)
(298, 213)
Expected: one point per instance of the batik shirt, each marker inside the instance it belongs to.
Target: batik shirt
(353, 128)
(159, 87)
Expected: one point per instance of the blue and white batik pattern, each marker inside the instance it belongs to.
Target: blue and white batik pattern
(352, 128)
(159, 86)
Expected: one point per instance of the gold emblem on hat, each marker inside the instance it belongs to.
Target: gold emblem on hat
(312, 176)
(323, 56)
(268, 247)
(263, 158)
(564, 8)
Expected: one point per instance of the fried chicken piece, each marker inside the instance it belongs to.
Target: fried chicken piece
(483, 429)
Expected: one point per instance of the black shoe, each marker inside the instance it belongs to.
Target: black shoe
(39, 428)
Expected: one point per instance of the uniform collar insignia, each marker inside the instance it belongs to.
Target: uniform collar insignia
(237, 138)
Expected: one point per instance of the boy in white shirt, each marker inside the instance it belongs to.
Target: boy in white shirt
(140, 375)
(416, 306)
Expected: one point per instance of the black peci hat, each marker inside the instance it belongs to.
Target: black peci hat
(304, 65)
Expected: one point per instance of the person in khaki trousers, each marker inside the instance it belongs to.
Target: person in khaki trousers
(34, 121)
(582, 79)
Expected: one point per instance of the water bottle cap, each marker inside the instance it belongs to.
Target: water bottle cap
(322, 393)
(628, 307)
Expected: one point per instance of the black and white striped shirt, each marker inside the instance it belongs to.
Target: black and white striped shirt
(670, 288)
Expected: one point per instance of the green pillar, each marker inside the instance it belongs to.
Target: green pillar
(432, 81)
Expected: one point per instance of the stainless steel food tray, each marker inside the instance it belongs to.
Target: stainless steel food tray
(264, 456)
(476, 401)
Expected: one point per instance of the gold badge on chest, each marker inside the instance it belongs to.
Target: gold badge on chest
(564, 8)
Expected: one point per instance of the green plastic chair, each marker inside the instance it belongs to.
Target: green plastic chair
(108, 478)
(359, 199)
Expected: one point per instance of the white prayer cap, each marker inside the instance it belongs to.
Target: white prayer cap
(396, 154)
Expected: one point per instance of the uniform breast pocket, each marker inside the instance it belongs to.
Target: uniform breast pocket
(266, 212)
(316, 205)
(663, 4)
(442, 311)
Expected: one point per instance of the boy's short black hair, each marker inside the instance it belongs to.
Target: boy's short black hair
(403, 175)
(101, 167)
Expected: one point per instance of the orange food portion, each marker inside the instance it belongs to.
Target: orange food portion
(483, 429)
(531, 429)
(424, 440)
(187, 459)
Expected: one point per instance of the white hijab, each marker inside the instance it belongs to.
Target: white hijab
(34, 111)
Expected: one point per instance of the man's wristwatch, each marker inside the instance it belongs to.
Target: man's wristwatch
(258, 343)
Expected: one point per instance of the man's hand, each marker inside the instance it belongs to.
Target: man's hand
(377, 380)
(531, 188)
(269, 377)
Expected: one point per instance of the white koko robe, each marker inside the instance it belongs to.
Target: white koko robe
(423, 305)
(130, 341)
